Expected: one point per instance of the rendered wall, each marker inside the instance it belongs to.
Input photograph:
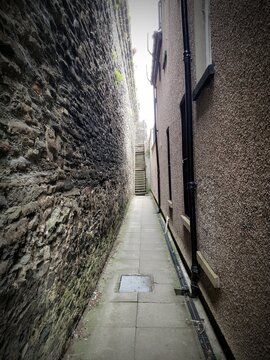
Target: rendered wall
(232, 170)
(67, 108)
(231, 153)
(170, 90)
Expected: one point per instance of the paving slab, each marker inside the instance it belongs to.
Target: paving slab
(129, 246)
(161, 315)
(111, 314)
(126, 265)
(152, 235)
(131, 238)
(153, 240)
(154, 264)
(148, 246)
(105, 344)
(158, 255)
(162, 293)
(132, 254)
(166, 343)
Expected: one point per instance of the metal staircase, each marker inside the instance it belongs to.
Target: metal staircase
(140, 175)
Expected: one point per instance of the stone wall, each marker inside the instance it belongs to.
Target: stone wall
(67, 105)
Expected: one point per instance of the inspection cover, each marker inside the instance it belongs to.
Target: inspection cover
(135, 283)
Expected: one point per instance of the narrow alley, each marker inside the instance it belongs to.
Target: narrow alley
(134, 180)
(144, 320)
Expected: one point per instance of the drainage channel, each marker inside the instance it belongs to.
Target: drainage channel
(184, 290)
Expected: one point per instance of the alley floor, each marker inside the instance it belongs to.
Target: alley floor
(150, 325)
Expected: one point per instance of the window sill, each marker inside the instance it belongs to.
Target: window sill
(186, 222)
(209, 272)
(205, 80)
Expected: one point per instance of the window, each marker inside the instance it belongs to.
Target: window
(160, 14)
(152, 137)
(164, 60)
(184, 157)
(203, 54)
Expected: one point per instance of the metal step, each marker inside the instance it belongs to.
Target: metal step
(140, 174)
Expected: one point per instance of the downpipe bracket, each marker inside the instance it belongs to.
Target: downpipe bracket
(187, 55)
(192, 185)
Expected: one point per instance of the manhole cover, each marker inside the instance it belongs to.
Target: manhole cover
(135, 283)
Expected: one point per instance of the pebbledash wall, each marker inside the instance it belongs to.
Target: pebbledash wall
(68, 112)
(231, 150)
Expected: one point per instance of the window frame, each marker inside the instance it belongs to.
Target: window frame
(160, 14)
(204, 67)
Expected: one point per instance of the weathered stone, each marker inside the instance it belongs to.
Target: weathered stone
(10, 68)
(31, 120)
(65, 213)
(16, 267)
(65, 173)
(64, 111)
(13, 213)
(73, 192)
(3, 267)
(20, 164)
(30, 208)
(51, 143)
(47, 213)
(25, 348)
(60, 229)
(33, 223)
(55, 218)
(47, 253)
(40, 241)
(37, 88)
(4, 148)
(25, 259)
(45, 333)
(41, 146)
(18, 127)
(15, 232)
(43, 268)
(50, 281)
(48, 95)
(3, 201)
(64, 186)
(5, 98)
(26, 108)
(33, 154)
(27, 142)
(46, 202)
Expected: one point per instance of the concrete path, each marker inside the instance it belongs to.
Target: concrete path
(137, 325)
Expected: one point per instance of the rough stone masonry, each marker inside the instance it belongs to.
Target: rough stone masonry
(67, 113)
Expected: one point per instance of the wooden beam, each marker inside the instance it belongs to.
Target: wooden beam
(186, 222)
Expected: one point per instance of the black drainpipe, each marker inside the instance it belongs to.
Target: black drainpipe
(191, 185)
(156, 141)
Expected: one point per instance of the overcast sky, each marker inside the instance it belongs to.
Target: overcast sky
(143, 20)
